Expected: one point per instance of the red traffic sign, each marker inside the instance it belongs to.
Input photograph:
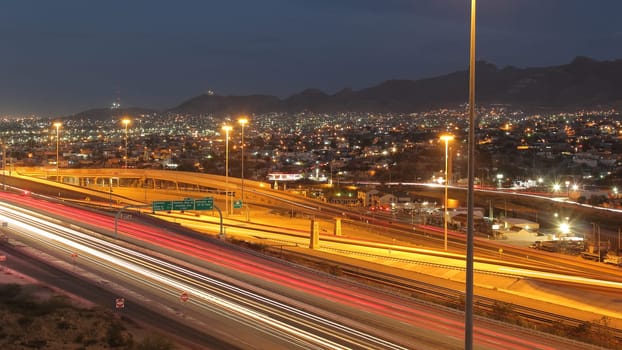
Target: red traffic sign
(184, 296)
(119, 303)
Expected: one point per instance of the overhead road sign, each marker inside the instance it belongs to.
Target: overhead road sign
(161, 205)
(204, 204)
(183, 205)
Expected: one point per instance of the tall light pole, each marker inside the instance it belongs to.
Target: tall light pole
(446, 138)
(125, 122)
(227, 128)
(4, 165)
(243, 121)
(468, 314)
(57, 125)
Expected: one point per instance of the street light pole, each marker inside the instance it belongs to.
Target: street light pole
(468, 315)
(3, 165)
(126, 122)
(243, 121)
(57, 125)
(226, 128)
(446, 138)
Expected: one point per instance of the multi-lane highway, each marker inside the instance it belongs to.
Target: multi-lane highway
(257, 301)
(255, 319)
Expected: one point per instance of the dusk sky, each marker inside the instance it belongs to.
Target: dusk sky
(64, 56)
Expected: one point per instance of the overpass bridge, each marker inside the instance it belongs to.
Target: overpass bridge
(141, 178)
(138, 186)
(142, 186)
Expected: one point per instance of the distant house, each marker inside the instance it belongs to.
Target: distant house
(403, 197)
(387, 200)
(459, 221)
(368, 198)
(342, 198)
(517, 224)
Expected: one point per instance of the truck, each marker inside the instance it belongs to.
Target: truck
(613, 258)
(549, 246)
(594, 252)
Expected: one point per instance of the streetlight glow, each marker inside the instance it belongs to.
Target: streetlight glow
(564, 228)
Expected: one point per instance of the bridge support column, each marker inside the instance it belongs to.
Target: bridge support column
(314, 241)
(337, 230)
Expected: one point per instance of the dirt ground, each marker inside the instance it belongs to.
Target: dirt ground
(35, 316)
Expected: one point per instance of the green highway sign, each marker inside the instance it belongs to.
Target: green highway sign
(204, 204)
(161, 205)
(183, 205)
(237, 204)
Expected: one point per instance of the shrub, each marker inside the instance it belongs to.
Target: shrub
(155, 342)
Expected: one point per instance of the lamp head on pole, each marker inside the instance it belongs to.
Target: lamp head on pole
(227, 128)
(447, 137)
(243, 121)
(126, 122)
(57, 125)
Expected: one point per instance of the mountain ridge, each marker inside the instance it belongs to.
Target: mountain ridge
(582, 83)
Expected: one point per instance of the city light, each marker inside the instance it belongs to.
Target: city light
(564, 228)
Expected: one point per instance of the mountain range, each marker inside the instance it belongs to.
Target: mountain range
(582, 83)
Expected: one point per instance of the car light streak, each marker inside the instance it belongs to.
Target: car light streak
(300, 334)
(341, 295)
(562, 278)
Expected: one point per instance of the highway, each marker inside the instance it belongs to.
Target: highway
(268, 301)
(519, 261)
(274, 324)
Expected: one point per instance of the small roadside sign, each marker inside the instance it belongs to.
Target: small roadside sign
(237, 204)
(184, 296)
(119, 303)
